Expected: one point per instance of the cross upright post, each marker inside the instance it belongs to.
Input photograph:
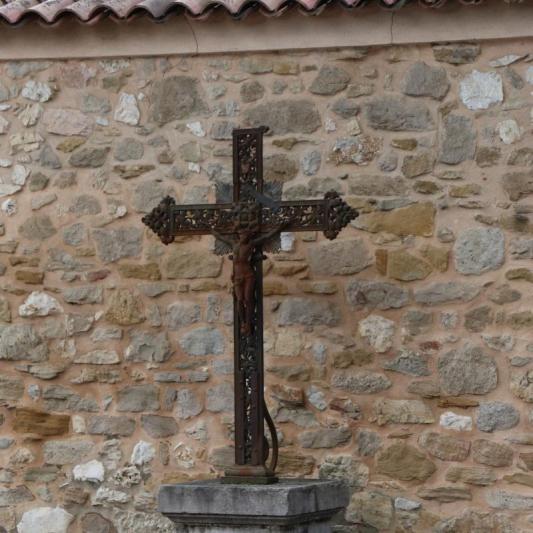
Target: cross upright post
(244, 226)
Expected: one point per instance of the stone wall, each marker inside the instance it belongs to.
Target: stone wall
(398, 357)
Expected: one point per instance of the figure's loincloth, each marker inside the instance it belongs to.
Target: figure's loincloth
(241, 278)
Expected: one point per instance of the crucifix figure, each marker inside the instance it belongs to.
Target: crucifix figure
(244, 226)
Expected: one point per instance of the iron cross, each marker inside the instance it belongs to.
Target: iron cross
(244, 226)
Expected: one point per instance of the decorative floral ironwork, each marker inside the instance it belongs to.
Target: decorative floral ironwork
(245, 227)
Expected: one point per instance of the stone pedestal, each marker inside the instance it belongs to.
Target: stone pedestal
(296, 506)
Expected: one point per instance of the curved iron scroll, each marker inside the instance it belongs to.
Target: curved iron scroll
(273, 451)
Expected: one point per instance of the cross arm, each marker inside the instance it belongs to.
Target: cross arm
(168, 220)
(328, 215)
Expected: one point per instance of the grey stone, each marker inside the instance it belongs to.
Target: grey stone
(5, 310)
(181, 314)
(467, 371)
(6, 442)
(478, 250)
(223, 130)
(176, 98)
(409, 363)
(518, 184)
(388, 161)
(140, 522)
(38, 182)
(58, 398)
(220, 398)
(153, 290)
(360, 382)
(330, 80)
(89, 157)
(416, 321)
(195, 376)
(85, 204)
(91, 103)
(344, 468)
(48, 158)
(20, 69)
(65, 180)
(315, 187)
(376, 295)
(378, 185)
(191, 152)
(116, 244)
(404, 504)
(104, 334)
(10, 497)
(458, 142)
(203, 341)
(247, 507)
(300, 416)
(310, 162)
(316, 398)
(4, 93)
(251, 91)
(339, 258)
(394, 113)
(503, 499)
(129, 149)
(138, 398)
(37, 228)
(285, 116)
(478, 319)
(66, 452)
(148, 195)
(457, 53)
(423, 80)
(89, 294)
(279, 167)
(446, 292)
(187, 404)
(324, 438)
(521, 248)
(159, 427)
(308, 312)
(522, 157)
(480, 90)
(345, 108)
(111, 426)
(496, 415)
(358, 150)
(368, 442)
(43, 200)
(256, 64)
(20, 342)
(148, 347)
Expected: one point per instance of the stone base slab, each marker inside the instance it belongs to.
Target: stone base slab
(298, 506)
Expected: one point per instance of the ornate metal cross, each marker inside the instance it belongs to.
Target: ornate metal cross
(244, 226)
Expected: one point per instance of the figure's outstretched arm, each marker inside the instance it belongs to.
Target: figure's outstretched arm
(222, 238)
(267, 236)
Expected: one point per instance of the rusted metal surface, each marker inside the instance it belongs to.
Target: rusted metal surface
(245, 227)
